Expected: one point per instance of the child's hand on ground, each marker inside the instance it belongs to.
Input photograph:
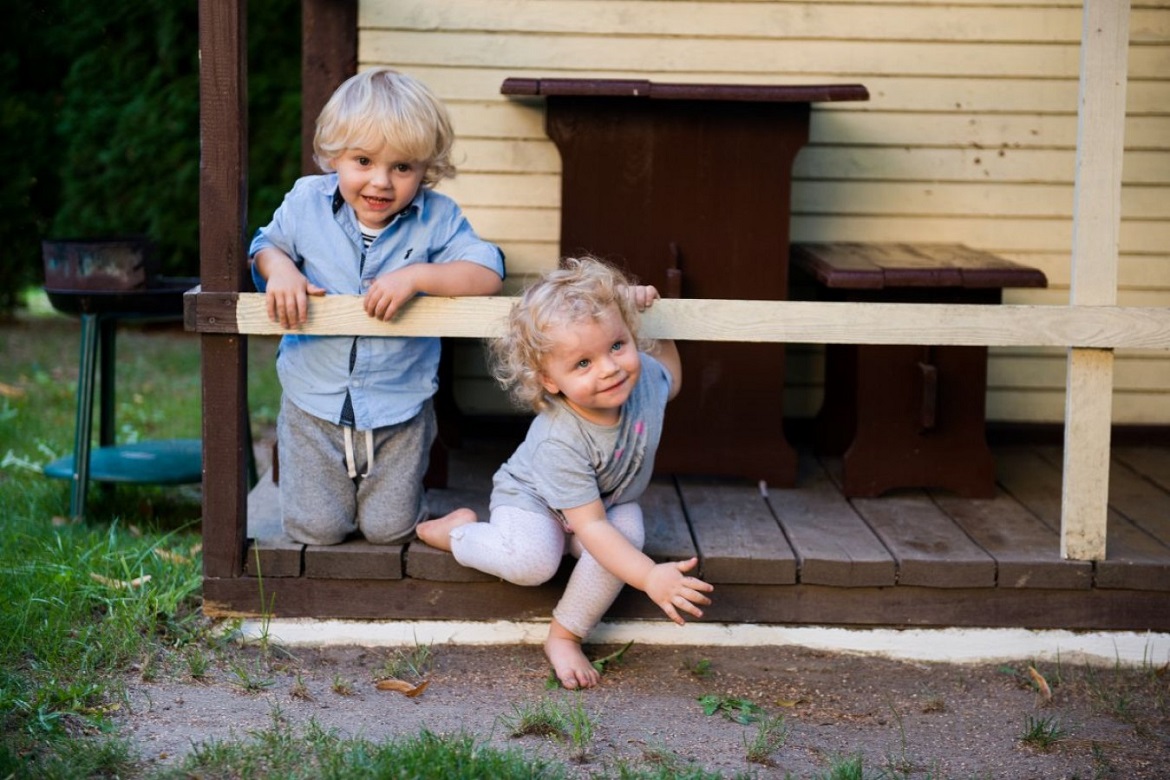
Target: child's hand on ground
(286, 295)
(670, 588)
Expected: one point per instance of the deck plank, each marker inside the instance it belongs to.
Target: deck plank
(1134, 560)
(1026, 551)
(466, 488)
(668, 537)
(1153, 463)
(738, 539)
(409, 599)
(1145, 503)
(929, 548)
(833, 545)
(270, 551)
(355, 559)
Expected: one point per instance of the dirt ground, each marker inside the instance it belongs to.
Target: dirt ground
(906, 720)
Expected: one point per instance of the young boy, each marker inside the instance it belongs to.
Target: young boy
(356, 419)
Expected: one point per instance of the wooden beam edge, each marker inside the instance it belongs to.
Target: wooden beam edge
(813, 322)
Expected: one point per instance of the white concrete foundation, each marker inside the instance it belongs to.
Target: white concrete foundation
(951, 645)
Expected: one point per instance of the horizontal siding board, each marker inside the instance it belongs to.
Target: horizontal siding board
(990, 131)
(505, 190)
(646, 54)
(972, 93)
(1034, 234)
(991, 199)
(913, 163)
(890, 21)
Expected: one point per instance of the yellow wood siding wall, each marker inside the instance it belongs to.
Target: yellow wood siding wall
(969, 136)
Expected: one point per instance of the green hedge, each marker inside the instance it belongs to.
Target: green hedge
(99, 109)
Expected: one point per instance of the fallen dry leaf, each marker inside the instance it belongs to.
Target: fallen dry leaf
(403, 687)
(11, 391)
(1041, 683)
(173, 557)
(112, 583)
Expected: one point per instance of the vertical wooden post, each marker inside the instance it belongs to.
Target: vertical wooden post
(1096, 226)
(223, 201)
(328, 57)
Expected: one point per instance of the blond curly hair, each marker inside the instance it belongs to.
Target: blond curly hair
(583, 288)
(382, 106)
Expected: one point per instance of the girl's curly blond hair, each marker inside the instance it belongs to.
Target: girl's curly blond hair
(582, 288)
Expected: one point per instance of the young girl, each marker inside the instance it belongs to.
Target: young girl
(571, 354)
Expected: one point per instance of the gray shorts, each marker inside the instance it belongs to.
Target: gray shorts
(321, 504)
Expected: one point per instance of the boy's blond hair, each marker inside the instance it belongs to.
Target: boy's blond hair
(583, 288)
(382, 106)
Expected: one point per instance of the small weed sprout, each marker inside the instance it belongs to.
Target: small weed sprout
(416, 662)
(844, 768)
(549, 718)
(342, 686)
(771, 734)
(741, 711)
(934, 704)
(702, 668)
(197, 663)
(251, 681)
(580, 728)
(300, 689)
(1042, 732)
(543, 719)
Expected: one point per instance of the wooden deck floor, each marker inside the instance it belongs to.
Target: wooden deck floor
(805, 555)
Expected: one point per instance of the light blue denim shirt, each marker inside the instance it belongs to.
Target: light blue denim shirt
(392, 377)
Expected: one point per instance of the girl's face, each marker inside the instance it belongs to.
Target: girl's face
(377, 183)
(593, 366)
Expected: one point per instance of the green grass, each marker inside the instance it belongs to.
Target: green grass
(71, 619)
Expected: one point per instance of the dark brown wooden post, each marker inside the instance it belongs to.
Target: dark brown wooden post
(223, 201)
(328, 57)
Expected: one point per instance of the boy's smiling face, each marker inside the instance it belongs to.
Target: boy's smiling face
(377, 183)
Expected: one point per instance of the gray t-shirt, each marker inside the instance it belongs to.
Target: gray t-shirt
(566, 461)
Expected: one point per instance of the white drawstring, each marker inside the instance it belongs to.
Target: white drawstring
(349, 455)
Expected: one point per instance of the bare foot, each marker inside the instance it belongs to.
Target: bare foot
(568, 660)
(437, 532)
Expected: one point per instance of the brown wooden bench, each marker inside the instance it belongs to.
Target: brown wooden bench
(908, 416)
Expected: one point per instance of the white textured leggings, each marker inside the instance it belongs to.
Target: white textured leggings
(526, 548)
